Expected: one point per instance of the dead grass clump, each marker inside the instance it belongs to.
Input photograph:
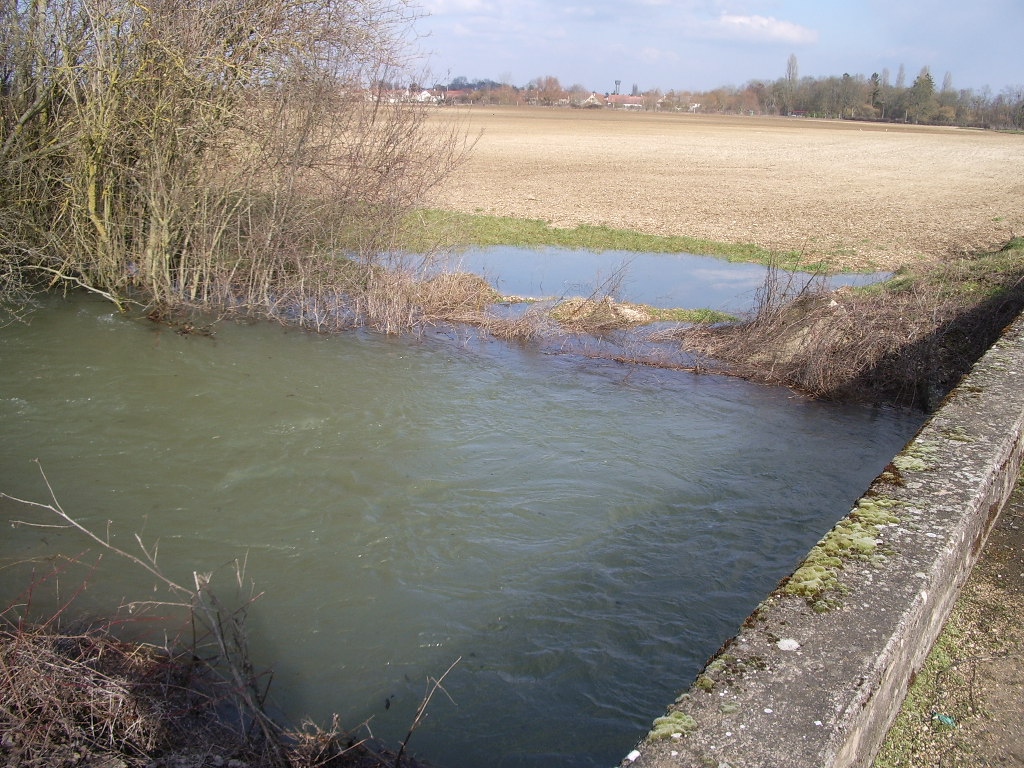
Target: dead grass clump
(904, 342)
(454, 295)
(89, 699)
(591, 315)
(528, 326)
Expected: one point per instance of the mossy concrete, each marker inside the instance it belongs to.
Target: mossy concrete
(817, 673)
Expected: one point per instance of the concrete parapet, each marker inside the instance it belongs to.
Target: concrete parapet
(817, 673)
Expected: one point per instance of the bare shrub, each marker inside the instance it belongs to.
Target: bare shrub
(69, 697)
(204, 152)
(531, 325)
(456, 296)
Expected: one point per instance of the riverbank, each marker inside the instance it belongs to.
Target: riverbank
(860, 615)
(906, 341)
(963, 709)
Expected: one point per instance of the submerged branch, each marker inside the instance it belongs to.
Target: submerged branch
(80, 283)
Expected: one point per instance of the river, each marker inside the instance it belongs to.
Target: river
(581, 534)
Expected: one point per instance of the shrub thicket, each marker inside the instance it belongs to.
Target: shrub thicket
(210, 152)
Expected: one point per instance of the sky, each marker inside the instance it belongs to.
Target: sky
(699, 45)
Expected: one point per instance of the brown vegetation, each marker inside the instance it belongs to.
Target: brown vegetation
(905, 342)
(597, 315)
(207, 154)
(87, 698)
(73, 695)
(456, 295)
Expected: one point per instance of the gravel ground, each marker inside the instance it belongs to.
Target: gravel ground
(862, 195)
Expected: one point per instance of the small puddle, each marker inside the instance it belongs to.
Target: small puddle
(660, 279)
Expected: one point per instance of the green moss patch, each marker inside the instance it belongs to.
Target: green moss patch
(725, 669)
(671, 724)
(679, 315)
(918, 457)
(853, 538)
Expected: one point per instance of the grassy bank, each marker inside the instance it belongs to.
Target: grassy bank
(906, 341)
(426, 229)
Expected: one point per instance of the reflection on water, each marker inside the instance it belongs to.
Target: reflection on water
(658, 279)
(581, 534)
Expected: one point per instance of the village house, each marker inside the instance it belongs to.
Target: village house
(621, 101)
(451, 96)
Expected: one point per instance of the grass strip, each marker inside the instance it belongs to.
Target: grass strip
(428, 228)
(984, 276)
(679, 315)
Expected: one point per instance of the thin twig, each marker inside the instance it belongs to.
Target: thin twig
(421, 711)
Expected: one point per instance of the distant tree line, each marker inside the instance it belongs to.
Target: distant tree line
(878, 96)
(856, 97)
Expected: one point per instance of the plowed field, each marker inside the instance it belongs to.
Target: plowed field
(861, 195)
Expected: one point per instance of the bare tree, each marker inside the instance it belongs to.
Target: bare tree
(549, 90)
(792, 71)
(578, 93)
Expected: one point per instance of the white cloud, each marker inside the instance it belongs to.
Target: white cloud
(761, 28)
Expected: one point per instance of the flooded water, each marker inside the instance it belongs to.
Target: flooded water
(581, 534)
(659, 279)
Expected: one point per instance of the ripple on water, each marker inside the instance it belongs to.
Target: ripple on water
(581, 535)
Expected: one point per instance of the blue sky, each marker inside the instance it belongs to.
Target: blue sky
(702, 44)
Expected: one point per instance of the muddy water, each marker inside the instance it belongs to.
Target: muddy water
(581, 535)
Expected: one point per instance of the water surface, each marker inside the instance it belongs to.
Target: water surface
(659, 279)
(583, 535)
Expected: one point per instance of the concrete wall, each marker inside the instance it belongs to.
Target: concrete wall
(818, 672)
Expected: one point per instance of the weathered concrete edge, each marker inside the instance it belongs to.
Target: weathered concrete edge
(819, 686)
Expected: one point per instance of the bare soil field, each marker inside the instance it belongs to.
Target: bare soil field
(860, 195)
